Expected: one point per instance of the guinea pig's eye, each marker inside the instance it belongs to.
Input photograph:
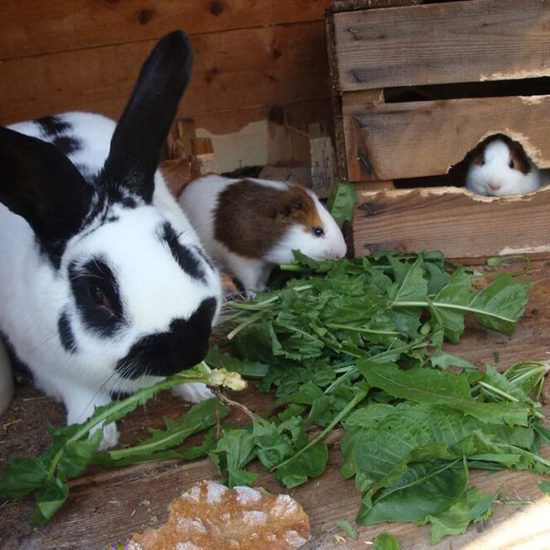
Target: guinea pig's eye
(318, 231)
(512, 164)
(98, 297)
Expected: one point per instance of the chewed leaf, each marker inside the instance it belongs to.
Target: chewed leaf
(50, 499)
(473, 505)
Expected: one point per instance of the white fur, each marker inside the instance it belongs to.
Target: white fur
(153, 289)
(496, 178)
(199, 200)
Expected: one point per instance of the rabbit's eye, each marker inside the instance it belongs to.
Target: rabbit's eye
(98, 297)
(512, 164)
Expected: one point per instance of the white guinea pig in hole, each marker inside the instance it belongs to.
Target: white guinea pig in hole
(104, 285)
(501, 167)
(250, 225)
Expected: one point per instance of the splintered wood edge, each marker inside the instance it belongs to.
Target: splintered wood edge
(410, 220)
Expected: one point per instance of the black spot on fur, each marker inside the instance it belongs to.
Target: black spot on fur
(185, 257)
(67, 144)
(97, 297)
(66, 334)
(182, 347)
(53, 125)
(128, 202)
(54, 130)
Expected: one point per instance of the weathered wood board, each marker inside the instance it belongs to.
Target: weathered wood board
(438, 43)
(425, 138)
(453, 220)
(35, 27)
(275, 68)
(106, 506)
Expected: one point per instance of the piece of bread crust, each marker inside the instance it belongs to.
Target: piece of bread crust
(212, 516)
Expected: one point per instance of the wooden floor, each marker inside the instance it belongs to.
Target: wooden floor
(107, 506)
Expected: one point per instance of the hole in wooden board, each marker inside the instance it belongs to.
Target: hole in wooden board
(495, 88)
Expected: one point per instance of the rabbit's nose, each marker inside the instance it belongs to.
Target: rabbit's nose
(494, 186)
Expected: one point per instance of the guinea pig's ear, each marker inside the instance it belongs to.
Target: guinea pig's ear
(518, 158)
(146, 120)
(39, 183)
(289, 208)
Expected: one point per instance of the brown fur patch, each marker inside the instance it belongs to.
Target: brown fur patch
(519, 158)
(250, 217)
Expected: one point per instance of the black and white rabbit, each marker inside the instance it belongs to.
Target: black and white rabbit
(104, 285)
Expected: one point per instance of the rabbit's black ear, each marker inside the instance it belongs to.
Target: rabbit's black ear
(146, 120)
(39, 183)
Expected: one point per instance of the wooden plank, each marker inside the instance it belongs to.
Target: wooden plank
(35, 27)
(453, 220)
(425, 138)
(270, 66)
(439, 43)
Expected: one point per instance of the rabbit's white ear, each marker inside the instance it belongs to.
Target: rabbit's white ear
(146, 120)
(39, 183)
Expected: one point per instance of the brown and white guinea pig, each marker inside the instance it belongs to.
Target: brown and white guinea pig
(501, 167)
(250, 225)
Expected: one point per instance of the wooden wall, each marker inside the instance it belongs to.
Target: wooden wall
(252, 57)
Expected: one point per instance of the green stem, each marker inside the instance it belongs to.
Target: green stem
(441, 305)
(252, 319)
(532, 455)
(111, 411)
(498, 391)
(363, 329)
(321, 435)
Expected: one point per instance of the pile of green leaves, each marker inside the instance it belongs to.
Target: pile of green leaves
(351, 349)
(358, 344)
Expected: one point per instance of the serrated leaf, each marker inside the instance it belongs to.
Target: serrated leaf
(22, 476)
(342, 202)
(440, 387)
(198, 418)
(501, 304)
(456, 292)
(309, 464)
(424, 489)
(234, 450)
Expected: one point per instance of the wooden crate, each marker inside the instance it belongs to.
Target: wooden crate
(468, 66)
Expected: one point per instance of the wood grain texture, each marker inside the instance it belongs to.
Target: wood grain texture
(425, 138)
(34, 27)
(440, 43)
(453, 220)
(238, 70)
(106, 506)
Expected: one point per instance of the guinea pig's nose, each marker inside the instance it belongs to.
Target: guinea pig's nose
(494, 186)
